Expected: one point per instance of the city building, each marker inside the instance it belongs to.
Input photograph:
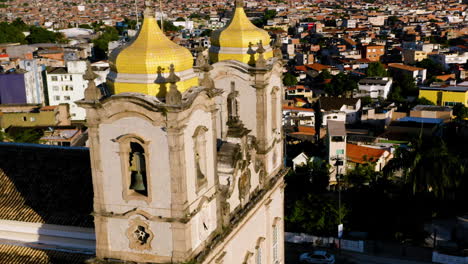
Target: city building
(34, 116)
(399, 69)
(359, 155)
(373, 52)
(18, 86)
(374, 87)
(413, 56)
(445, 96)
(66, 85)
(336, 143)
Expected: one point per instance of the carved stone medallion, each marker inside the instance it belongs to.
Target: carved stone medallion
(139, 235)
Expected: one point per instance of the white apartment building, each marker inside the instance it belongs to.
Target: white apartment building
(66, 85)
(445, 59)
(374, 87)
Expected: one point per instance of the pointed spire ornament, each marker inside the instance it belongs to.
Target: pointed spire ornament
(251, 52)
(261, 62)
(162, 83)
(148, 10)
(174, 96)
(277, 53)
(201, 59)
(207, 81)
(92, 92)
(239, 3)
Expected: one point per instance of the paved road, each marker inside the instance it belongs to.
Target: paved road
(294, 250)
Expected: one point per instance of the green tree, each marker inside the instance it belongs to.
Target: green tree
(432, 67)
(316, 214)
(341, 84)
(362, 174)
(376, 69)
(460, 111)
(101, 44)
(26, 136)
(428, 167)
(423, 101)
(169, 26)
(289, 79)
(85, 26)
(42, 35)
(323, 75)
(10, 33)
(19, 24)
(407, 84)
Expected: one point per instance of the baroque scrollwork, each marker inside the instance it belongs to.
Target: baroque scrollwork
(244, 185)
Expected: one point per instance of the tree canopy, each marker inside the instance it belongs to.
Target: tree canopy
(289, 79)
(376, 69)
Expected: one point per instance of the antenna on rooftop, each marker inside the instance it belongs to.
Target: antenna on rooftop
(136, 14)
(161, 13)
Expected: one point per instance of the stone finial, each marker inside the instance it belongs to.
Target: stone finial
(174, 96)
(251, 52)
(148, 9)
(261, 62)
(92, 92)
(239, 3)
(162, 83)
(277, 50)
(201, 59)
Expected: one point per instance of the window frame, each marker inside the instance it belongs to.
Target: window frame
(124, 153)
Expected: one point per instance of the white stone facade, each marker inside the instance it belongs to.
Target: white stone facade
(198, 180)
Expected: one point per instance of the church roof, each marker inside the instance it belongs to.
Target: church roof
(15, 254)
(46, 184)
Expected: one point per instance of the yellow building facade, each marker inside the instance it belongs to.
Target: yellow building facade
(445, 96)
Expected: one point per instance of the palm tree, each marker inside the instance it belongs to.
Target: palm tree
(428, 167)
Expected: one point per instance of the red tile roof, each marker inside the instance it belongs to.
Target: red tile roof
(318, 66)
(293, 108)
(361, 154)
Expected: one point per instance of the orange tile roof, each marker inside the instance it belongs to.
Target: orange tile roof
(318, 66)
(286, 107)
(404, 67)
(361, 154)
(306, 129)
(301, 68)
(446, 77)
(48, 108)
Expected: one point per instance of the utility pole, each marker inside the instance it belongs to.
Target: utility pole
(338, 163)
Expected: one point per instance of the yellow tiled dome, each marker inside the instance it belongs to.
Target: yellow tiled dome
(233, 41)
(151, 49)
(135, 67)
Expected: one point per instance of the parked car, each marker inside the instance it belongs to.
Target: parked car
(318, 257)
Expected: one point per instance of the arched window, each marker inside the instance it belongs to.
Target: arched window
(259, 251)
(275, 243)
(135, 167)
(274, 108)
(200, 156)
(275, 240)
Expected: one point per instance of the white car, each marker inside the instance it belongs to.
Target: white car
(321, 257)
